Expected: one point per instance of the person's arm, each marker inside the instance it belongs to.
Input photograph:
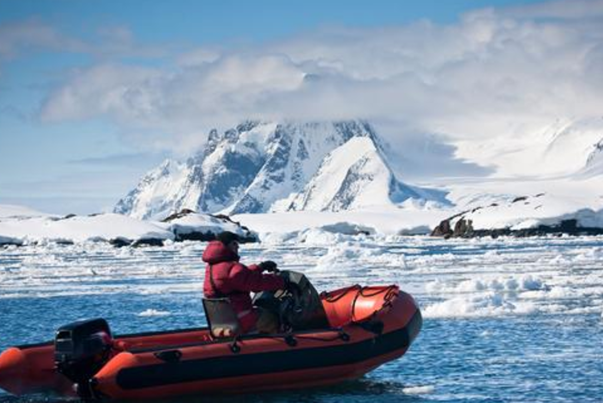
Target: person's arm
(244, 279)
(267, 265)
(255, 267)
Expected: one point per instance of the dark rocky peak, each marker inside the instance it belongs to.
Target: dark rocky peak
(247, 126)
(213, 139)
(231, 135)
(354, 128)
(302, 150)
(598, 150)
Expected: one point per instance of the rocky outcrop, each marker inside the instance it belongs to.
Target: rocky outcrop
(119, 230)
(10, 241)
(463, 228)
(188, 225)
(180, 214)
(147, 242)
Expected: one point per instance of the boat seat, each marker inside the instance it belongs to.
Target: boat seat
(221, 318)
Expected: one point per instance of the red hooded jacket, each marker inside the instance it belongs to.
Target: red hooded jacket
(235, 281)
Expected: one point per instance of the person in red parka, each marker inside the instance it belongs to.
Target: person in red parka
(226, 277)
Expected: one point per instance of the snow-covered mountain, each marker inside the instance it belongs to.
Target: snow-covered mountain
(354, 176)
(542, 150)
(268, 167)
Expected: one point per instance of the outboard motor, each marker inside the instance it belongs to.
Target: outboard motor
(81, 350)
(299, 307)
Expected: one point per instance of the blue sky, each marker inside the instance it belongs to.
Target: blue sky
(94, 94)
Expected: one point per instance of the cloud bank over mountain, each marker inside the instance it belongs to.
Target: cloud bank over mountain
(495, 72)
(444, 95)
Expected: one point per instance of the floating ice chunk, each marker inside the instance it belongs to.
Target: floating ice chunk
(320, 237)
(278, 238)
(531, 284)
(562, 293)
(433, 286)
(347, 228)
(471, 285)
(485, 305)
(339, 253)
(498, 285)
(154, 312)
(418, 390)
(560, 260)
(511, 284)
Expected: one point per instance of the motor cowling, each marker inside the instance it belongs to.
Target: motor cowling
(81, 350)
(298, 306)
(305, 310)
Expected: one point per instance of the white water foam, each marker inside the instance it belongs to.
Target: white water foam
(418, 390)
(154, 312)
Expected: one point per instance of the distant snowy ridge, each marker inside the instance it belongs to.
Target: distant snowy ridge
(274, 167)
(538, 214)
(561, 148)
(574, 148)
(12, 211)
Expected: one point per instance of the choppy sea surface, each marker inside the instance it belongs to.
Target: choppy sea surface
(505, 320)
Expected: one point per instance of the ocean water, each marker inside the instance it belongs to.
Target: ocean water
(505, 320)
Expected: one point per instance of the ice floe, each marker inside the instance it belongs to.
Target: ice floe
(449, 278)
(23, 226)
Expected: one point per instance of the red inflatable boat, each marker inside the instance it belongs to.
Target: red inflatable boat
(365, 327)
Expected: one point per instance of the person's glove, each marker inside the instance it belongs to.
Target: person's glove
(268, 266)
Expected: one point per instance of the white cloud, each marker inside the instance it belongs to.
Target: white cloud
(123, 92)
(494, 73)
(32, 34)
(198, 57)
(562, 9)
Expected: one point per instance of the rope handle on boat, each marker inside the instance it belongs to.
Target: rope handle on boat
(330, 299)
(390, 292)
(234, 347)
(292, 340)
